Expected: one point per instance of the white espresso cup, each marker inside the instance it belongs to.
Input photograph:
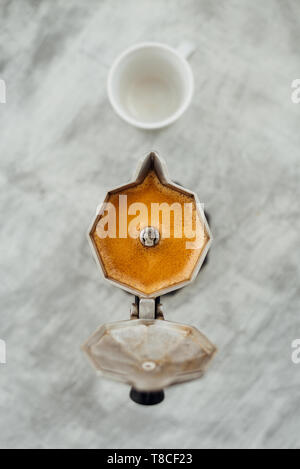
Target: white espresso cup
(150, 85)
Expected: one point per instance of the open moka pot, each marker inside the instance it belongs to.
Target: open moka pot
(150, 237)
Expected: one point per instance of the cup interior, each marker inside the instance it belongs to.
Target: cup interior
(150, 85)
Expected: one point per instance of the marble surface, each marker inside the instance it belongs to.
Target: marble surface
(237, 146)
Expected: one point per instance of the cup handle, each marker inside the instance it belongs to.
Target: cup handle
(186, 49)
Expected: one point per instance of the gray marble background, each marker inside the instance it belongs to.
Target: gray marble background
(237, 146)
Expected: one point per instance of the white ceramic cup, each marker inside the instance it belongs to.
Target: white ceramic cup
(150, 85)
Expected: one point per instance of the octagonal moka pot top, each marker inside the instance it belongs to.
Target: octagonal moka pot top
(149, 237)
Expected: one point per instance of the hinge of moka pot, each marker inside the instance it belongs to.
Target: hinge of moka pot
(146, 308)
